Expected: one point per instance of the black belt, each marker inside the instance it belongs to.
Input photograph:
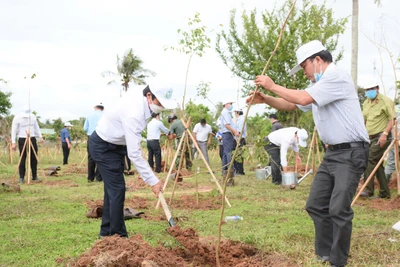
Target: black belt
(348, 145)
(153, 140)
(227, 133)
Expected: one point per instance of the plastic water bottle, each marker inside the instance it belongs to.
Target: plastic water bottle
(198, 169)
(233, 218)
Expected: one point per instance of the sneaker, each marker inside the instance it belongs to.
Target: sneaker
(35, 178)
(90, 181)
(323, 259)
(21, 180)
(365, 194)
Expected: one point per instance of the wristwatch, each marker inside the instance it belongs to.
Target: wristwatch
(385, 133)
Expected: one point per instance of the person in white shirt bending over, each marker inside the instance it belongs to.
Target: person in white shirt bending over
(154, 129)
(118, 128)
(279, 143)
(202, 133)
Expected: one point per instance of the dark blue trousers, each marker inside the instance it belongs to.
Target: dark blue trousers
(110, 162)
(229, 145)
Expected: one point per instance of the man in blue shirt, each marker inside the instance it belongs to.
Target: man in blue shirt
(66, 141)
(228, 133)
(89, 127)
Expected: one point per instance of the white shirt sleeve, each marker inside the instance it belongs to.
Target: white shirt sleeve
(327, 90)
(196, 128)
(284, 149)
(305, 108)
(14, 129)
(133, 138)
(163, 128)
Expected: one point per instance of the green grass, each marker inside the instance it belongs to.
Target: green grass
(46, 222)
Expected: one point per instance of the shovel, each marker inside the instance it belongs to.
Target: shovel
(166, 209)
(305, 175)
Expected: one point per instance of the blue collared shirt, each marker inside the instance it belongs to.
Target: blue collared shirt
(239, 125)
(91, 121)
(65, 134)
(226, 119)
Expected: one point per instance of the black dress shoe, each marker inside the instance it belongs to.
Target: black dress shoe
(323, 258)
(35, 178)
(21, 180)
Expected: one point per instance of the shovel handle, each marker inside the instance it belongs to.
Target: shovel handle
(166, 209)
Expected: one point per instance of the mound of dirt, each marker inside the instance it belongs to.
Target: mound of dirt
(74, 169)
(382, 204)
(116, 251)
(136, 202)
(135, 184)
(189, 202)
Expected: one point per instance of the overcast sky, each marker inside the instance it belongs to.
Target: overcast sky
(69, 43)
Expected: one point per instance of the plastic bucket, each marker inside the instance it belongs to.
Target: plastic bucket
(289, 178)
(260, 174)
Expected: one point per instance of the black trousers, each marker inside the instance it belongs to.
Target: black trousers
(154, 149)
(274, 152)
(22, 169)
(221, 151)
(65, 150)
(238, 163)
(110, 162)
(92, 170)
(329, 202)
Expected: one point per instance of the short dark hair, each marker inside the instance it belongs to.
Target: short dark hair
(153, 115)
(240, 112)
(147, 90)
(203, 121)
(325, 55)
(100, 107)
(273, 116)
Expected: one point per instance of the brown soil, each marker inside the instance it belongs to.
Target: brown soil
(392, 183)
(136, 202)
(60, 183)
(135, 184)
(189, 202)
(74, 169)
(385, 204)
(116, 251)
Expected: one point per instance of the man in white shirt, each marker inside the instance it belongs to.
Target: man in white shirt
(22, 124)
(154, 129)
(279, 143)
(202, 133)
(117, 128)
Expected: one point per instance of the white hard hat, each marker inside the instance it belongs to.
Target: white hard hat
(305, 51)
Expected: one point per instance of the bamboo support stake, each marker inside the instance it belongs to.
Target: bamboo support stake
(310, 149)
(171, 166)
(244, 123)
(179, 168)
(28, 137)
(86, 154)
(220, 189)
(373, 172)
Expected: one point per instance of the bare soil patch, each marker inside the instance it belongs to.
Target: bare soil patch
(384, 204)
(116, 251)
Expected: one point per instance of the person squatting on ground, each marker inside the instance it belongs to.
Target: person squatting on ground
(337, 115)
(238, 163)
(228, 141)
(154, 128)
(390, 166)
(202, 133)
(66, 141)
(89, 127)
(24, 123)
(117, 128)
(378, 111)
(279, 143)
(176, 131)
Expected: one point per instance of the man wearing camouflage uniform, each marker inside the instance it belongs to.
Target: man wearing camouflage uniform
(177, 129)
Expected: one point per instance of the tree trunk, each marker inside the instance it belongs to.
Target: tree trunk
(354, 43)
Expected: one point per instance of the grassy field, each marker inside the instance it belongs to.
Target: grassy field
(46, 220)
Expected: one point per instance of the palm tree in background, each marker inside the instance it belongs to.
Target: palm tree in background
(130, 70)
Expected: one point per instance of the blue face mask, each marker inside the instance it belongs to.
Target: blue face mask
(317, 76)
(230, 108)
(371, 94)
